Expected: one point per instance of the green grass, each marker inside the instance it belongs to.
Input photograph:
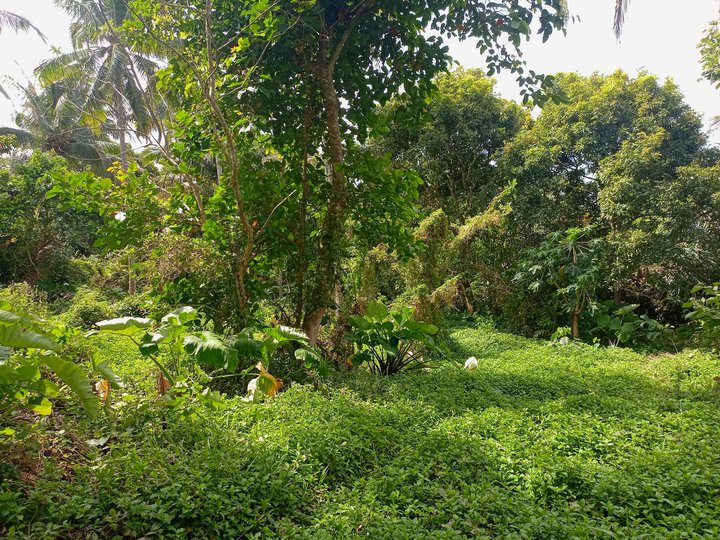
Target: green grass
(539, 442)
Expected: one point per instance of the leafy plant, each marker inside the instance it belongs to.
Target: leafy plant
(622, 325)
(391, 341)
(705, 312)
(26, 346)
(180, 334)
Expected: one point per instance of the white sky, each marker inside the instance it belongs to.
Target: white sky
(660, 36)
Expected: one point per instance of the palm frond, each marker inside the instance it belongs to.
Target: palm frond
(620, 10)
(18, 23)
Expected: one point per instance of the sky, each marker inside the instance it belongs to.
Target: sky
(659, 37)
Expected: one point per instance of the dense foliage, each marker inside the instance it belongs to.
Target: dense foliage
(247, 247)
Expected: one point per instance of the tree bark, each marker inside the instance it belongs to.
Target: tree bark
(334, 223)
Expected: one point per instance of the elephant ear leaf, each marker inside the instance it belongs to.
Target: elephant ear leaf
(285, 333)
(71, 374)
(266, 383)
(246, 347)
(180, 316)
(123, 325)
(210, 349)
(15, 336)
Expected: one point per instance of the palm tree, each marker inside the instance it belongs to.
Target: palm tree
(119, 78)
(51, 121)
(18, 24)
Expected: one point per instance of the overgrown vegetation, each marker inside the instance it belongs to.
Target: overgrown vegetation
(246, 248)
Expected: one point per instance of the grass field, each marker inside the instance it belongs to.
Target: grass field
(541, 441)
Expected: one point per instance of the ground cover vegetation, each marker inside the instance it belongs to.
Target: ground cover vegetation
(246, 249)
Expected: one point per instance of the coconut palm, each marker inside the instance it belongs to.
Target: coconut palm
(50, 120)
(17, 23)
(119, 77)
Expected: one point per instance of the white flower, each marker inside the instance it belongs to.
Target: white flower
(120, 216)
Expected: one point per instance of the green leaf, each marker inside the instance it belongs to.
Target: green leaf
(6, 317)
(422, 327)
(17, 337)
(124, 325)
(180, 316)
(313, 359)
(210, 349)
(376, 311)
(71, 374)
(246, 347)
(40, 404)
(286, 333)
(104, 369)
(360, 358)
(359, 322)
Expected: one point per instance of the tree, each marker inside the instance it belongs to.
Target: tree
(315, 56)
(116, 73)
(557, 159)
(51, 120)
(38, 236)
(455, 150)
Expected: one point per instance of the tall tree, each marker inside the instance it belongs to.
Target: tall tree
(117, 75)
(316, 71)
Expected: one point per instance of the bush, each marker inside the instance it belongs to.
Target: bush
(705, 313)
(391, 341)
(85, 308)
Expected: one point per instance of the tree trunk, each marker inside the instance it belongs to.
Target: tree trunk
(333, 226)
(575, 322)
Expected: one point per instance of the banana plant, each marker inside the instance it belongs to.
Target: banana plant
(27, 347)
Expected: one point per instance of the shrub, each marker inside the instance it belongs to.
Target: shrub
(705, 312)
(621, 325)
(391, 341)
(85, 308)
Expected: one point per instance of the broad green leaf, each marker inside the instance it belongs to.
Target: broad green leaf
(210, 349)
(71, 374)
(360, 358)
(376, 311)
(6, 317)
(17, 337)
(246, 347)
(359, 322)
(180, 316)
(286, 333)
(40, 404)
(312, 359)
(123, 325)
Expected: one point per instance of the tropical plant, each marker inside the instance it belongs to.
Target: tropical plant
(568, 266)
(17, 23)
(391, 341)
(181, 334)
(704, 311)
(622, 325)
(119, 78)
(28, 347)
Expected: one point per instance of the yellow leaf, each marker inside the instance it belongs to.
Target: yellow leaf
(103, 389)
(266, 383)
